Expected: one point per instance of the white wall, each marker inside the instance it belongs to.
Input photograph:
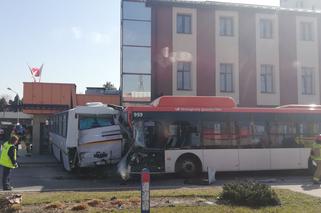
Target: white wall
(227, 51)
(185, 49)
(267, 52)
(307, 56)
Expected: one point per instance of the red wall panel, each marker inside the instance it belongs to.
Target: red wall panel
(247, 57)
(161, 51)
(288, 58)
(205, 52)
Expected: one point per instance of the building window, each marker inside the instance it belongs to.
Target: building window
(135, 52)
(226, 26)
(267, 78)
(307, 81)
(306, 30)
(184, 76)
(136, 60)
(136, 33)
(266, 28)
(226, 77)
(136, 87)
(184, 24)
(136, 11)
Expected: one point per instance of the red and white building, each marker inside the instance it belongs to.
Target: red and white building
(259, 55)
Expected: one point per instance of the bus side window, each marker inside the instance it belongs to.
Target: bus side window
(219, 134)
(252, 134)
(307, 132)
(172, 136)
(283, 134)
(183, 134)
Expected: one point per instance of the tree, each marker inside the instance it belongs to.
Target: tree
(15, 104)
(109, 86)
(3, 104)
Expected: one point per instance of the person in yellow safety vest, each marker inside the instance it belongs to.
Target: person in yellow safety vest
(8, 161)
(15, 133)
(316, 157)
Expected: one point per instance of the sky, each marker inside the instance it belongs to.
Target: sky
(78, 41)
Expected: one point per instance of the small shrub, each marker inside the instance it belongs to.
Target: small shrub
(249, 193)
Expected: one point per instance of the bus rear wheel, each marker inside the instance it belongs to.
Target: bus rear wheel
(188, 166)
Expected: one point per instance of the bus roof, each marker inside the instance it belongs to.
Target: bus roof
(194, 101)
(214, 104)
(92, 109)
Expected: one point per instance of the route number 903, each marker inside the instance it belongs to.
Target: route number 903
(138, 114)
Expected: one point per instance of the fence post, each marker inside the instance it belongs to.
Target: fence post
(145, 194)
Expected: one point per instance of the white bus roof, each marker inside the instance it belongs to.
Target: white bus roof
(93, 109)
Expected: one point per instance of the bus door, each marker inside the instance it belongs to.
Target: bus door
(254, 152)
(148, 151)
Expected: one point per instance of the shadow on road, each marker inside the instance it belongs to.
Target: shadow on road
(311, 186)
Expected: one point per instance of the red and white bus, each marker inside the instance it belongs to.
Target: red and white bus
(188, 135)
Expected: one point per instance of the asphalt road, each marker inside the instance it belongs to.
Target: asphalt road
(52, 177)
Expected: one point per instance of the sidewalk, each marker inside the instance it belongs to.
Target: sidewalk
(35, 158)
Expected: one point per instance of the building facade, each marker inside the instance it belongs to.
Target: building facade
(100, 91)
(135, 53)
(259, 55)
(42, 100)
(301, 4)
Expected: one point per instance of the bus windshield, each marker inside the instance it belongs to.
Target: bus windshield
(166, 134)
(94, 121)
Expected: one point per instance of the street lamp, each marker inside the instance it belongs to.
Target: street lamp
(18, 104)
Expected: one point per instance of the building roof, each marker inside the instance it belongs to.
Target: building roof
(224, 5)
(50, 83)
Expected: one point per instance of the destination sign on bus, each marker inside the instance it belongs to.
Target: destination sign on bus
(197, 109)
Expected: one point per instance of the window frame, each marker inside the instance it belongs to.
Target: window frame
(264, 73)
(307, 31)
(223, 26)
(184, 72)
(266, 28)
(307, 74)
(225, 74)
(183, 29)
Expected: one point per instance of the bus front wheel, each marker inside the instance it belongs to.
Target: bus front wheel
(188, 165)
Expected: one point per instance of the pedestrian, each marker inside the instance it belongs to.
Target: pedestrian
(2, 137)
(8, 160)
(15, 133)
(316, 157)
(28, 142)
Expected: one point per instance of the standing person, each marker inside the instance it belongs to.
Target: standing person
(28, 142)
(8, 160)
(316, 157)
(15, 133)
(2, 136)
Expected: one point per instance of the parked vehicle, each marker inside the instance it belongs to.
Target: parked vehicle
(86, 136)
(188, 135)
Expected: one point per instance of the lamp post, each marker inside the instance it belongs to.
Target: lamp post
(17, 103)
